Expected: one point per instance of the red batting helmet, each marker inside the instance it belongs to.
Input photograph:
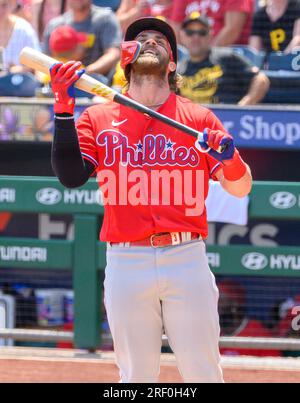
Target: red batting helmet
(131, 52)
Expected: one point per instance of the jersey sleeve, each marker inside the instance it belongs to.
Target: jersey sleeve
(86, 138)
(258, 24)
(244, 6)
(178, 10)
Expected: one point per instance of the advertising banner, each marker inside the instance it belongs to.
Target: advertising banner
(252, 127)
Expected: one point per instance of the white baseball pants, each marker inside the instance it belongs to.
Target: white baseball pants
(149, 290)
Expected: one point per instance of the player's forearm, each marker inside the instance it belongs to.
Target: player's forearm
(240, 187)
(105, 63)
(67, 162)
(257, 91)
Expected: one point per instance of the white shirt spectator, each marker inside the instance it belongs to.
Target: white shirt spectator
(23, 35)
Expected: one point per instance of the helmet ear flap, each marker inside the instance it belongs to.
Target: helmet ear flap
(130, 51)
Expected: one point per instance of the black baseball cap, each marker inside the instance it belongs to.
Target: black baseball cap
(196, 16)
(153, 24)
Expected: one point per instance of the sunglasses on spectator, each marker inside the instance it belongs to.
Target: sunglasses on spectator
(198, 32)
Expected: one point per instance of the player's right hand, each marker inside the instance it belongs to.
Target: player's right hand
(213, 140)
(63, 77)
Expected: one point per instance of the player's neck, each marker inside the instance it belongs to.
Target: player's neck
(149, 91)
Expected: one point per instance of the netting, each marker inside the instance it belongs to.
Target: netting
(255, 307)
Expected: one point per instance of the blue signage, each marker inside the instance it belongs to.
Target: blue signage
(259, 128)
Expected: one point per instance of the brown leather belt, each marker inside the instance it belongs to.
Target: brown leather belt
(162, 240)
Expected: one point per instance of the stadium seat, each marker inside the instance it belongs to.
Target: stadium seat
(285, 87)
(281, 61)
(255, 57)
(18, 85)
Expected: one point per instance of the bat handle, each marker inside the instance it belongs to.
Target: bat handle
(220, 150)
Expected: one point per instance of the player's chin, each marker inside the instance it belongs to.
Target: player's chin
(149, 66)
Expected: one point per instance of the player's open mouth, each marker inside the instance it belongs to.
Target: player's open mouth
(149, 52)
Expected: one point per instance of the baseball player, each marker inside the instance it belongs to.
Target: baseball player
(157, 277)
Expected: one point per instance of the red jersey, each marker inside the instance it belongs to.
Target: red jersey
(162, 8)
(152, 177)
(215, 11)
(251, 328)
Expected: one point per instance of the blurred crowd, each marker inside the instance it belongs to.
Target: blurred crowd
(235, 321)
(223, 44)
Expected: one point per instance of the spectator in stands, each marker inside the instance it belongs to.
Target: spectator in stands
(130, 10)
(288, 325)
(103, 35)
(276, 26)
(42, 124)
(230, 19)
(43, 11)
(67, 44)
(9, 124)
(288, 310)
(234, 320)
(15, 34)
(217, 75)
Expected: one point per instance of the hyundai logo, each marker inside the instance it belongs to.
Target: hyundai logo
(48, 196)
(254, 261)
(283, 200)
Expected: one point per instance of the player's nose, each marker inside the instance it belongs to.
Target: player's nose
(150, 42)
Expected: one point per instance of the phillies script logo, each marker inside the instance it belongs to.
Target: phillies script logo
(154, 150)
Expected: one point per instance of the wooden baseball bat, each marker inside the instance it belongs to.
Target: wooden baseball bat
(41, 62)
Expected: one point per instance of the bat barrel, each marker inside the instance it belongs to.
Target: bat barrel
(39, 61)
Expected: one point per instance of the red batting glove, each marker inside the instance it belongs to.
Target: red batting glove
(217, 138)
(63, 78)
(234, 168)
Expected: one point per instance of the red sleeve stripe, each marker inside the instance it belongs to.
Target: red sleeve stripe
(214, 168)
(91, 159)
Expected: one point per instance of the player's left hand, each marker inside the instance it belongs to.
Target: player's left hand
(63, 78)
(213, 140)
